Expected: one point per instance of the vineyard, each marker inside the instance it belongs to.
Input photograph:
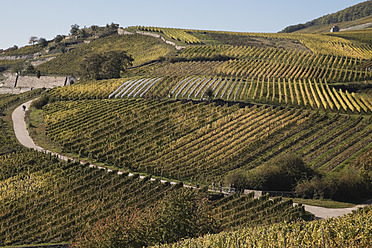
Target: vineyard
(243, 210)
(46, 200)
(317, 43)
(197, 108)
(352, 230)
(173, 33)
(201, 141)
(280, 63)
(308, 94)
(58, 199)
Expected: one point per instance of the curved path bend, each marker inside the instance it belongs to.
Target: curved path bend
(20, 130)
(322, 213)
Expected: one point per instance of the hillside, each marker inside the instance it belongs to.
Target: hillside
(143, 49)
(326, 233)
(352, 13)
(199, 117)
(359, 24)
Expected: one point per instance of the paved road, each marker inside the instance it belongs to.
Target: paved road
(321, 212)
(20, 130)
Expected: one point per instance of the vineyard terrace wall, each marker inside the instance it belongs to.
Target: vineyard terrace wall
(16, 84)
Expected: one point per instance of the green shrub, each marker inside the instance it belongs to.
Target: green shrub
(238, 178)
(40, 102)
(181, 214)
(280, 174)
(348, 185)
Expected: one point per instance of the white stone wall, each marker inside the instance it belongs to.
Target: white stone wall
(43, 81)
(6, 90)
(26, 83)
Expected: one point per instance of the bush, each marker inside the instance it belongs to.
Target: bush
(40, 102)
(58, 38)
(238, 178)
(30, 69)
(181, 214)
(124, 229)
(348, 185)
(105, 65)
(43, 42)
(281, 174)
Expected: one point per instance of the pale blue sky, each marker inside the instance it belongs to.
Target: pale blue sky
(21, 19)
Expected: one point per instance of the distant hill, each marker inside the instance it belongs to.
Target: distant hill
(352, 13)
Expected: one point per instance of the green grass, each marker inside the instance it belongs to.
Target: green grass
(36, 128)
(325, 203)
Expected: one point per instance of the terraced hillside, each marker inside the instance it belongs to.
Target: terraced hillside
(316, 43)
(45, 200)
(142, 48)
(222, 105)
(305, 94)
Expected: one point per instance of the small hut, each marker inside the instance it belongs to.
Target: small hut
(335, 29)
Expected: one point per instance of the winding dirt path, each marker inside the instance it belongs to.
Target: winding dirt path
(20, 130)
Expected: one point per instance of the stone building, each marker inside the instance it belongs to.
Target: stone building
(335, 29)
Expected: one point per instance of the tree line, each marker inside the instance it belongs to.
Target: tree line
(349, 14)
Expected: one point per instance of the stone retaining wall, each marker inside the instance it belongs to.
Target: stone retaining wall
(43, 81)
(14, 84)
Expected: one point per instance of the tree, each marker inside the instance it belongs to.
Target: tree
(83, 33)
(58, 38)
(183, 213)
(91, 66)
(124, 229)
(114, 26)
(74, 29)
(33, 40)
(281, 173)
(105, 65)
(42, 42)
(238, 178)
(30, 69)
(209, 93)
(94, 28)
(17, 68)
